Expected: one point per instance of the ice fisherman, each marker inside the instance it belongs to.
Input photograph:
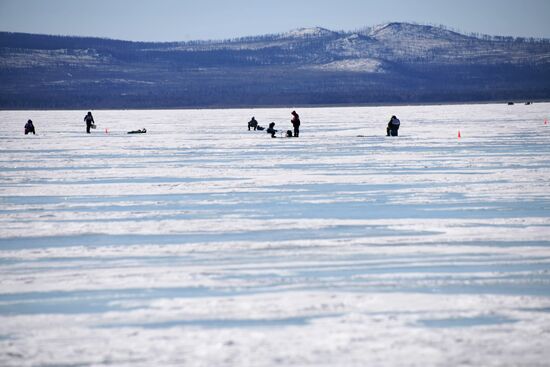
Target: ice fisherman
(89, 122)
(253, 124)
(29, 128)
(271, 129)
(393, 127)
(295, 123)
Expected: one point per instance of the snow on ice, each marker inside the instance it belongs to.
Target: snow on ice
(203, 244)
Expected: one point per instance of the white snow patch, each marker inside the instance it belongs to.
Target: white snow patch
(354, 65)
(307, 32)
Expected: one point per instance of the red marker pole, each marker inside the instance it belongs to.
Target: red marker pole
(459, 136)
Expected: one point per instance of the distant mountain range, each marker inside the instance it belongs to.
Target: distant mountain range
(390, 63)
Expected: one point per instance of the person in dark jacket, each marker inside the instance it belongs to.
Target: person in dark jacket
(296, 123)
(29, 128)
(393, 127)
(89, 122)
(271, 129)
(253, 124)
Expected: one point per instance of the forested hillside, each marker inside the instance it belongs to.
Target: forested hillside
(391, 63)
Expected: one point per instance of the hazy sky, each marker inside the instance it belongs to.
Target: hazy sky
(172, 20)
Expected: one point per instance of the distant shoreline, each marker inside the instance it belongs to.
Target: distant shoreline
(249, 107)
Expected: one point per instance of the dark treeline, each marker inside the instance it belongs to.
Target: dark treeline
(257, 86)
(47, 42)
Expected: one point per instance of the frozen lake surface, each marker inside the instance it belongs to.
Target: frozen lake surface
(203, 244)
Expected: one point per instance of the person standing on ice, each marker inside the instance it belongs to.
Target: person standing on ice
(29, 128)
(296, 123)
(89, 122)
(393, 127)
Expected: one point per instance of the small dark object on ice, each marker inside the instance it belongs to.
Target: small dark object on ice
(510, 103)
(142, 131)
(528, 103)
(289, 133)
(261, 128)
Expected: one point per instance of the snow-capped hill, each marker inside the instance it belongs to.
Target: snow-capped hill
(405, 42)
(308, 33)
(357, 37)
(393, 28)
(407, 31)
(353, 45)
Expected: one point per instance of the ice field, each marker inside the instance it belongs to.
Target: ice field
(203, 244)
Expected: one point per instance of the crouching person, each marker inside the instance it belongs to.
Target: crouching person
(271, 129)
(252, 124)
(393, 127)
(29, 128)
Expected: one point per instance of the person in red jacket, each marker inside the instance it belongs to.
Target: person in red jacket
(296, 123)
